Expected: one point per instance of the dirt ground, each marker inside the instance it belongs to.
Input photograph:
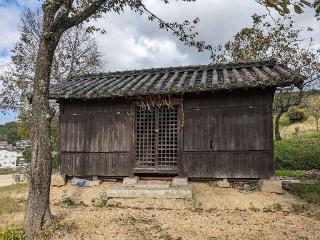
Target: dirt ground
(214, 213)
(5, 180)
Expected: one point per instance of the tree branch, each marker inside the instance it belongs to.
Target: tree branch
(82, 15)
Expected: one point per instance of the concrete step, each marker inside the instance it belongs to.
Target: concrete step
(121, 191)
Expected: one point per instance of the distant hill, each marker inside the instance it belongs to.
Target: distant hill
(9, 133)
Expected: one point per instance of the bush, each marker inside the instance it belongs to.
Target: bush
(296, 115)
(308, 192)
(298, 152)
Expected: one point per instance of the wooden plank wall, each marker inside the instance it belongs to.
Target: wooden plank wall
(228, 134)
(224, 135)
(95, 138)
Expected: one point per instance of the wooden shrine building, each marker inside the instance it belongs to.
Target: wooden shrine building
(201, 122)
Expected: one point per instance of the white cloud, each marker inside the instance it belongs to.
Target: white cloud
(133, 42)
(8, 27)
(124, 51)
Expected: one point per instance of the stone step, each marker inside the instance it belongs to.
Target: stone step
(121, 191)
(152, 184)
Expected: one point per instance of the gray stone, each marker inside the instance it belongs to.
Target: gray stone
(152, 184)
(121, 191)
(271, 186)
(58, 180)
(224, 183)
(130, 180)
(178, 181)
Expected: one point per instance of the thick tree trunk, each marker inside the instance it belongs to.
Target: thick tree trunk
(38, 208)
(277, 134)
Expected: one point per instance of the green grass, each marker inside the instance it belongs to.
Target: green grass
(10, 205)
(5, 171)
(298, 153)
(290, 173)
(11, 234)
(14, 188)
(308, 192)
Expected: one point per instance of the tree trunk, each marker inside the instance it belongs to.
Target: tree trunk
(277, 134)
(38, 208)
(317, 121)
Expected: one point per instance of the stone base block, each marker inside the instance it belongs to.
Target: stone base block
(130, 180)
(58, 180)
(223, 184)
(121, 191)
(177, 181)
(271, 186)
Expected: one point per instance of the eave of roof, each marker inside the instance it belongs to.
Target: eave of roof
(177, 80)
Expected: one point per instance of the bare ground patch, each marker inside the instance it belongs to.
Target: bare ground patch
(213, 214)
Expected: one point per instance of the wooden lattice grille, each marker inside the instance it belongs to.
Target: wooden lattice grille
(157, 137)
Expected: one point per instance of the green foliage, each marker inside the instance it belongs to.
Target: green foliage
(273, 208)
(12, 234)
(284, 121)
(100, 202)
(291, 173)
(66, 201)
(298, 152)
(27, 154)
(9, 133)
(298, 208)
(4, 171)
(296, 115)
(61, 226)
(287, 6)
(308, 192)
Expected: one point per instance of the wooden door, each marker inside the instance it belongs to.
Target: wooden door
(156, 139)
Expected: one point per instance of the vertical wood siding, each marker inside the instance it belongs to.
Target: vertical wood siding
(228, 135)
(95, 138)
(223, 135)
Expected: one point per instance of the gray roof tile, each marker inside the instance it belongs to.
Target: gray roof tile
(174, 80)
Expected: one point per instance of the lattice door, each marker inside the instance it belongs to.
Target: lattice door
(157, 137)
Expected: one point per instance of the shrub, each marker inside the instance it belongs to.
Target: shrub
(296, 115)
(66, 201)
(308, 192)
(12, 234)
(298, 152)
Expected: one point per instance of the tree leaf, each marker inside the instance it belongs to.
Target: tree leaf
(298, 9)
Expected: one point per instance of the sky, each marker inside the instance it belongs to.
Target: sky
(131, 42)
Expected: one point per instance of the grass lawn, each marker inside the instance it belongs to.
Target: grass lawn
(298, 152)
(5, 171)
(308, 192)
(290, 173)
(9, 202)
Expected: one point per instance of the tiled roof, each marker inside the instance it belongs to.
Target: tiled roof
(174, 80)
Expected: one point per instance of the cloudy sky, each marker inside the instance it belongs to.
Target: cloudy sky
(131, 42)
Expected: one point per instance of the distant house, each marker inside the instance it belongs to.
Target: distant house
(22, 144)
(5, 145)
(200, 122)
(8, 159)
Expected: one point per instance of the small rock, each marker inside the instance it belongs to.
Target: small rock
(177, 181)
(130, 180)
(224, 183)
(95, 183)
